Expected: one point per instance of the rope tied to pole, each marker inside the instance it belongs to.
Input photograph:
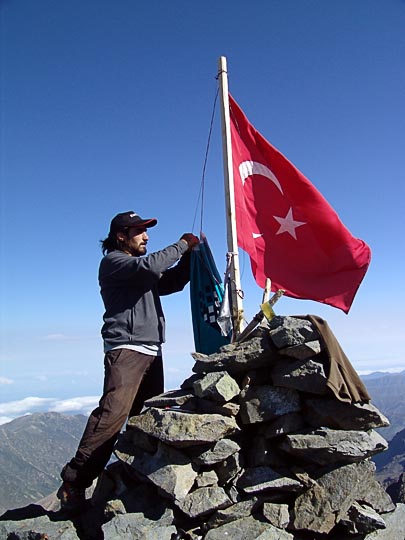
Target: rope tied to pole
(201, 194)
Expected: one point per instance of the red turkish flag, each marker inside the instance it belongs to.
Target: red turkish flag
(291, 233)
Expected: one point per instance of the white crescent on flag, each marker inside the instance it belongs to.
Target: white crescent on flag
(247, 168)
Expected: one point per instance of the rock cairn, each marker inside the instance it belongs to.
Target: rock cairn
(253, 446)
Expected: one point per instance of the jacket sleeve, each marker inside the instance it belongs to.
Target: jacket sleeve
(118, 266)
(176, 278)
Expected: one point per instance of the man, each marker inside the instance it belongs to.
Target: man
(133, 332)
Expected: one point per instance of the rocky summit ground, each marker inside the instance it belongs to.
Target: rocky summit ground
(256, 445)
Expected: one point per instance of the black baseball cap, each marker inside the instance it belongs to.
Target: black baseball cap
(130, 219)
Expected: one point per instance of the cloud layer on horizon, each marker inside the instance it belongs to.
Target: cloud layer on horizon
(76, 405)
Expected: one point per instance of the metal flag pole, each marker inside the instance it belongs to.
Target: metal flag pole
(235, 286)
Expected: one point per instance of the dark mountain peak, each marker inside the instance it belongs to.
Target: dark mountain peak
(33, 449)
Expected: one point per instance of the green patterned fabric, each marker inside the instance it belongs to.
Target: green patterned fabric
(206, 296)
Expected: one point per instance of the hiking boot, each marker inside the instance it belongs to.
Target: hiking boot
(71, 497)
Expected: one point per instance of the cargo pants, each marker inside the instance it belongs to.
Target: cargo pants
(130, 378)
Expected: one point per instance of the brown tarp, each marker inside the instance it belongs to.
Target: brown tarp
(343, 380)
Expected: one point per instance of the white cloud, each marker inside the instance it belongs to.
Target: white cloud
(5, 380)
(78, 405)
(23, 406)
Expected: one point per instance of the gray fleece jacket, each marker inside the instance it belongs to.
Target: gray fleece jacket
(130, 288)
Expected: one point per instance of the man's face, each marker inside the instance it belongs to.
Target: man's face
(136, 240)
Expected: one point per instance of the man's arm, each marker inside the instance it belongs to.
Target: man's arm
(118, 266)
(176, 278)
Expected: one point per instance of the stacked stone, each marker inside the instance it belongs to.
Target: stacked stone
(255, 446)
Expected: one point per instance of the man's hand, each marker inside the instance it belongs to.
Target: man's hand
(190, 240)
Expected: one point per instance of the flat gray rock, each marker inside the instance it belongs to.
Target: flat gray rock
(303, 375)
(203, 501)
(258, 479)
(339, 415)
(273, 533)
(232, 513)
(206, 479)
(265, 403)
(302, 351)
(172, 398)
(237, 358)
(168, 469)
(179, 428)
(277, 514)
(326, 446)
(218, 386)
(40, 527)
(222, 450)
(291, 331)
(248, 528)
(131, 527)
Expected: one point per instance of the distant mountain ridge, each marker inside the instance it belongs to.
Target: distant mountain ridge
(387, 391)
(379, 374)
(391, 463)
(33, 449)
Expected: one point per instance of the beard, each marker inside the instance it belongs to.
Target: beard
(136, 250)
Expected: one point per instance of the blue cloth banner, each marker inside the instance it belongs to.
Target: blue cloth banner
(206, 296)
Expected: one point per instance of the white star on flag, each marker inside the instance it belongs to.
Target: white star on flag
(288, 224)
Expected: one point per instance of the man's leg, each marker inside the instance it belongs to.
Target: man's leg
(152, 385)
(124, 372)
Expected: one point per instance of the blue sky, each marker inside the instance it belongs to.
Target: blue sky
(105, 107)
